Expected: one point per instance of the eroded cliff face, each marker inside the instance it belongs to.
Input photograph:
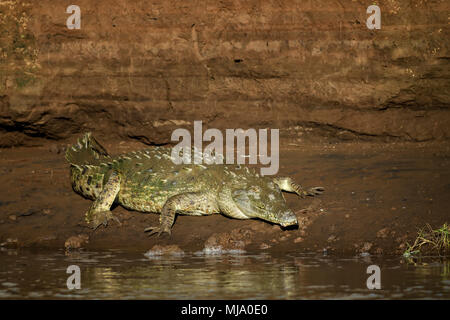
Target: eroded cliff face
(141, 69)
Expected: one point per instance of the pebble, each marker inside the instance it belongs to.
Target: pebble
(158, 250)
(297, 240)
(76, 242)
(9, 243)
(12, 217)
(383, 233)
(366, 247)
(332, 238)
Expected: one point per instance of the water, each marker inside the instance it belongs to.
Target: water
(125, 275)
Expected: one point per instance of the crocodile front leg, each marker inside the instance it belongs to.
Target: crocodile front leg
(195, 203)
(288, 185)
(99, 213)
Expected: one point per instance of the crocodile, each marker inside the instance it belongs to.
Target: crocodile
(149, 181)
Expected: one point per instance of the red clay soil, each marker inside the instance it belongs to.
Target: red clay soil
(377, 196)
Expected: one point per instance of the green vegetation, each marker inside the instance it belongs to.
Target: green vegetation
(430, 241)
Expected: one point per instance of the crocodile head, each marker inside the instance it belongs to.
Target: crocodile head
(264, 202)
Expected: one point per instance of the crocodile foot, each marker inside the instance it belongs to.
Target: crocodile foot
(157, 230)
(315, 191)
(102, 218)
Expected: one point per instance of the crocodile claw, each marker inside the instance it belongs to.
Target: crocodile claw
(102, 218)
(315, 191)
(157, 230)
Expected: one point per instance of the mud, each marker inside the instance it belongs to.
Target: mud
(377, 196)
(141, 70)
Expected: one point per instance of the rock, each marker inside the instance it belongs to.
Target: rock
(332, 238)
(76, 242)
(298, 240)
(159, 250)
(366, 247)
(264, 246)
(237, 239)
(12, 217)
(10, 243)
(383, 233)
(302, 233)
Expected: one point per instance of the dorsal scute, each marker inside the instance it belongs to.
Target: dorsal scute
(87, 151)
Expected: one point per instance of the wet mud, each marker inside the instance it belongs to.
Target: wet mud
(377, 196)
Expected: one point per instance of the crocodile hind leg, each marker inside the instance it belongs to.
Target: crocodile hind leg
(287, 184)
(194, 203)
(99, 213)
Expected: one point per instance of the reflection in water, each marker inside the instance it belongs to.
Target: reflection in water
(118, 275)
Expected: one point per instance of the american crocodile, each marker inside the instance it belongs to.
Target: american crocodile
(149, 181)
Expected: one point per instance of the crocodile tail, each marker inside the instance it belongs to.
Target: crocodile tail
(86, 151)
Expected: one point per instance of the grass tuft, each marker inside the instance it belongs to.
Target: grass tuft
(430, 240)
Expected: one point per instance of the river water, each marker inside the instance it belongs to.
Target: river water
(125, 275)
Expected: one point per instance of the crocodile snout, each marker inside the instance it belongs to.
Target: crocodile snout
(288, 218)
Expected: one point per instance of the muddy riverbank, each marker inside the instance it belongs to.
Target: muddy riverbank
(377, 196)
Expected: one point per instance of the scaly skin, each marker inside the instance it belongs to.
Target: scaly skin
(148, 181)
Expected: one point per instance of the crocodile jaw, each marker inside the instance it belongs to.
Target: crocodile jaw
(288, 218)
(268, 213)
